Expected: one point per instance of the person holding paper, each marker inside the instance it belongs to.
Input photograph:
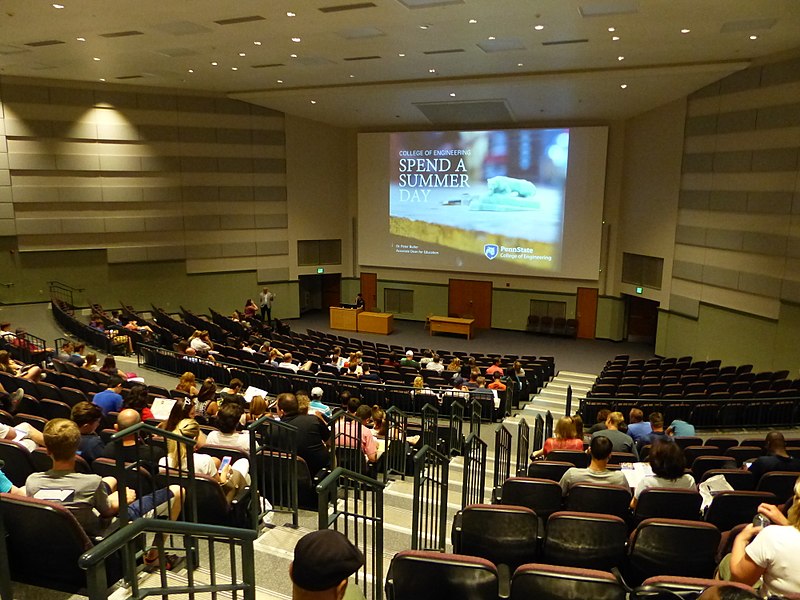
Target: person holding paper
(668, 464)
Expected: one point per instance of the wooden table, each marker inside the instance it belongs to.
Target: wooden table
(345, 318)
(451, 325)
(373, 322)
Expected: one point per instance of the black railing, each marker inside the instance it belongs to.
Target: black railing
(502, 455)
(429, 517)
(94, 337)
(455, 440)
(430, 426)
(568, 406)
(353, 504)
(238, 561)
(473, 485)
(25, 348)
(63, 292)
(538, 432)
(475, 417)
(396, 451)
(523, 448)
(274, 475)
(548, 425)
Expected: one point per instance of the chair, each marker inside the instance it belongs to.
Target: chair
(548, 469)
(586, 540)
(576, 457)
(681, 587)
(72, 396)
(504, 535)
(54, 409)
(729, 509)
(617, 458)
(662, 547)
(549, 582)
(668, 503)
(542, 496)
(18, 463)
(46, 542)
(701, 464)
(692, 452)
(599, 498)
(780, 483)
(739, 479)
(424, 575)
(722, 443)
(741, 454)
(687, 440)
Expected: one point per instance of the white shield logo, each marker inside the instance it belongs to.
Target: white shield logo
(490, 250)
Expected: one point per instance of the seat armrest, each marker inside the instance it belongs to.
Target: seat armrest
(503, 581)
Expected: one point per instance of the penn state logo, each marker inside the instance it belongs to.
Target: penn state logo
(490, 250)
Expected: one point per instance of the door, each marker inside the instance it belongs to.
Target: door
(642, 319)
(586, 312)
(471, 299)
(369, 289)
(331, 289)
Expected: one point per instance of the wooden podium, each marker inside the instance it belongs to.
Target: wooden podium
(372, 322)
(345, 318)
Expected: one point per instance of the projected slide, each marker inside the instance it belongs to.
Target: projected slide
(496, 196)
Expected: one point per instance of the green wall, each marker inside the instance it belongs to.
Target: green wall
(610, 319)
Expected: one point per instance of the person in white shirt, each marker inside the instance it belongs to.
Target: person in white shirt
(228, 418)
(265, 299)
(287, 363)
(435, 364)
(668, 464)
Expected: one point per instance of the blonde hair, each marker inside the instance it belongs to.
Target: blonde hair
(258, 406)
(565, 429)
(188, 428)
(794, 511)
(616, 418)
(419, 382)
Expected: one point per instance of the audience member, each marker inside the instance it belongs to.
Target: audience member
(348, 435)
(110, 367)
(369, 375)
(132, 448)
(323, 561)
(110, 400)
(495, 368)
(680, 428)
(657, 433)
(317, 406)
(435, 364)
(776, 459)
(233, 393)
(228, 419)
(87, 417)
(497, 383)
(205, 404)
(622, 441)
(187, 384)
(138, 399)
(668, 464)
(408, 360)
(565, 438)
(600, 425)
(600, 449)
(312, 433)
(637, 428)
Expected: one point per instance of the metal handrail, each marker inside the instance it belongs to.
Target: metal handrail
(523, 447)
(429, 505)
(394, 455)
(502, 455)
(474, 479)
(430, 426)
(456, 437)
(538, 432)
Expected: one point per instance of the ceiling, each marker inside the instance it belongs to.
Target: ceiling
(404, 63)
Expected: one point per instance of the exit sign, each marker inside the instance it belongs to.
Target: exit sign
(320, 270)
(639, 289)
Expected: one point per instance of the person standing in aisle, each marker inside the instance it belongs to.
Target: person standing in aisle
(265, 300)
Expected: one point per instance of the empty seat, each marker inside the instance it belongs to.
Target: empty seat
(722, 443)
(423, 575)
(671, 547)
(502, 534)
(543, 496)
(741, 454)
(780, 483)
(549, 582)
(599, 498)
(731, 508)
(18, 463)
(586, 540)
(668, 503)
(681, 587)
(548, 469)
(687, 440)
(692, 452)
(577, 458)
(701, 464)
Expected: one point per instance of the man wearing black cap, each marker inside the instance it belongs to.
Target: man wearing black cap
(323, 560)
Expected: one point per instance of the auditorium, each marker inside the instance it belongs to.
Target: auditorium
(414, 261)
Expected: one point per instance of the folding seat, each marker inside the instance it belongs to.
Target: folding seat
(730, 413)
(18, 464)
(48, 390)
(668, 503)
(617, 458)
(53, 409)
(692, 452)
(780, 483)
(28, 405)
(548, 469)
(627, 390)
(704, 414)
(781, 412)
(550, 582)
(722, 443)
(72, 396)
(713, 364)
(763, 376)
(685, 441)
(744, 369)
(599, 498)
(741, 454)
(780, 384)
(502, 534)
(677, 410)
(671, 547)
(577, 458)
(425, 575)
(701, 464)
(729, 509)
(779, 375)
(47, 542)
(666, 586)
(760, 385)
(543, 496)
(739, 479)
(585, 540)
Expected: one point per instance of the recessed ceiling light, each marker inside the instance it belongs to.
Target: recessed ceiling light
(296, 40)
(290, 14)
(519, 64)
(242, 54)
(102, 79)
(401, 54)
(614, 38)
(491, 37)
(191, 70)
(538, 27)
(256, 43)
(424, 26)
(431, 70)
(313, 102)
(234, 68)
(96, 58)
(58, 6)
(753, 37)
(452, 94)
(81, 39)
(620, 58)
(280, 81)
(612, 29)
(473, 21)
(685, 30)
(351, 76)
(293, 55)
(623, 86)
(214, 63)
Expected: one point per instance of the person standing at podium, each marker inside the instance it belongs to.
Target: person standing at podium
(360, 301)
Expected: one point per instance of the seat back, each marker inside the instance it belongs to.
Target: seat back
(18, 463)
(423, 575)
(599, 498)
(549, 582)
(743, 453)
(730, 508)
(662, 547)
(687, 440)
(502, 534)
(586, 540)
(780, 483)
(576, 457)
(701, 464)
(722, 443)
(548, 469)
(668, 503)
(738, 479)
(542, 496)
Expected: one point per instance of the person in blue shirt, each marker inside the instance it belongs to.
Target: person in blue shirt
(680, 428)
(6, 487)
(637, 426)
(110, 400)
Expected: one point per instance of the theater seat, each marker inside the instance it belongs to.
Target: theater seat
(586, 540)
(730, 508)
(423, 575)
(540, 495)
(671, 587)
(549, 582)
(668, 503)
(599, 498)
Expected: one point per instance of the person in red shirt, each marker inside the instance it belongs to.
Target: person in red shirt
(565, 438)
(495, 368)
(497, 384)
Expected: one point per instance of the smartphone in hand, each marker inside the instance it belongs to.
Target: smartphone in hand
(226, 460)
